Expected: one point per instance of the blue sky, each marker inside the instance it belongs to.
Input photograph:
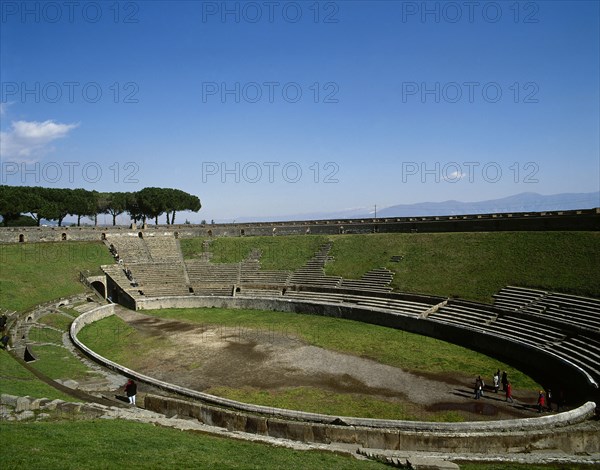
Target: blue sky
(272, 108)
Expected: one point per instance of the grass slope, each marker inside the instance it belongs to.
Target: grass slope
(17, 380)
(472, 266)
(102, 444)
(35, 273)
(475, 265)
(284, 253)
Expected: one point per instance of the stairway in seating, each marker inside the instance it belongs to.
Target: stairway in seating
(312, 272)
(375, 280)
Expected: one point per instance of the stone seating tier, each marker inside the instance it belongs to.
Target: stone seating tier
(578, 311)
(260, 293)
(163, 249)
(578, 352)
(202, 272)
(158, 273)
(393, 305)
(213, 290)
(131, 249)
(525, 330)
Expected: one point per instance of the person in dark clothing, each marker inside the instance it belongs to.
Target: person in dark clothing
(549, 399)
(504, 380)
(478, 387)
(131, 391)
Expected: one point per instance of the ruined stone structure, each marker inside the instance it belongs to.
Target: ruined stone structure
(586, 219)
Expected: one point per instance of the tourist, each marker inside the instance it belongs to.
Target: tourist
(504, 380)
(560, 401)
(131, 391)
(478, 387)
(509, 392)
(497, 381)
(3, 321)
(549, 399)
(4, 342)
(541, 402)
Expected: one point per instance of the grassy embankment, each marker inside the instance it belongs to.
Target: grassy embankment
(102, 444)
(32, 274)
(472, 266)
(35, 273)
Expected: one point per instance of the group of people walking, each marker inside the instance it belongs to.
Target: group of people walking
(497, 380)
(544, 401)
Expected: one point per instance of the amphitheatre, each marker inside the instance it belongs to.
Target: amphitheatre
(312, 334)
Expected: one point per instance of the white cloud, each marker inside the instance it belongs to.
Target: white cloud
(30, 140)
(454, 176)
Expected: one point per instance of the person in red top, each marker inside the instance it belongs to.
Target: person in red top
(509, 392)
(541, 403)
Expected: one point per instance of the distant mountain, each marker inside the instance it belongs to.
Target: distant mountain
(523, 202)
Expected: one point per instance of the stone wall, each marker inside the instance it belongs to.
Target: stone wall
(493, 436)
(536, 363)
(587, 219)
(553, 432)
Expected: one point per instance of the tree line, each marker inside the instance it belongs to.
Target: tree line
(57, 203)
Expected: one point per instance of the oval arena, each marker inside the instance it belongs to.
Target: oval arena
(553, 337)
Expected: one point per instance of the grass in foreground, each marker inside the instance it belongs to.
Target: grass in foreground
(101, 444)
(528, 466)
(57, 362)
(35, 273)
(17, 380)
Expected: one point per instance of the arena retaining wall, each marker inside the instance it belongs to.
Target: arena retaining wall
(579, 385)
(490, 436)
(585, 219)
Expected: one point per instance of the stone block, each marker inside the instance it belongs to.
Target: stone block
(52, 405)
(424, 463)
(24, 415)
(10, 400)
(23, 404)
(35, 404)
(68, 408)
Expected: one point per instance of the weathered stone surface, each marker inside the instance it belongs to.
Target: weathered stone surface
(70, 383)
(52, 405)
(24, 415)
(70, 408)
(7, 399)
(23, 404)
(35, 404)
(423, 463)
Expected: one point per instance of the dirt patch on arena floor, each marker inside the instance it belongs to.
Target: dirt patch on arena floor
(204, 357)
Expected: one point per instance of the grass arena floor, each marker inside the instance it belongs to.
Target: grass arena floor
(309, 363)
